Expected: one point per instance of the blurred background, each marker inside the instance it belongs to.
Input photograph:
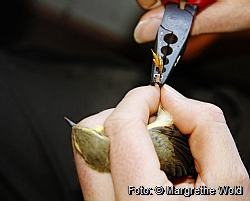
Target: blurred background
(75, 27)
(76, 58)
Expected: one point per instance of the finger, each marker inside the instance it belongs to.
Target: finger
(222, 16)
(148, 25)
(149, 4)
(91, 181)
(211, 143)
(138, 104)
(133, 160)
(95, 120)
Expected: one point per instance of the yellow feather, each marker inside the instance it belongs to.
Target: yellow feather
(158, 61)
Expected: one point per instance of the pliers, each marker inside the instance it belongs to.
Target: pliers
(172, 36)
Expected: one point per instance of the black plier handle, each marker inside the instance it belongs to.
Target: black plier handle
(172, 36)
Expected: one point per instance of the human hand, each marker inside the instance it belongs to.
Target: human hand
(221, 16)
(133, 160)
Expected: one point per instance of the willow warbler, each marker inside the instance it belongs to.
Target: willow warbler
(171, 146)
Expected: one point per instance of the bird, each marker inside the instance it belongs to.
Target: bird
(170, 144)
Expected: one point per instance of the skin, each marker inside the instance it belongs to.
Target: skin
(222, 16)
(133, 159)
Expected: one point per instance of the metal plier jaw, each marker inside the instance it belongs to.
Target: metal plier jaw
(172, 36)
(171, 39)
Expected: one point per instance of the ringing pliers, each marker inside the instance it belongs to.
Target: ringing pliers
(172, 36)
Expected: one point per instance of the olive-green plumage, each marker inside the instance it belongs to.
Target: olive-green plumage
(94, 147)
(170, 145)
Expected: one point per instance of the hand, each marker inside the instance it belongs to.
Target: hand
(222, 16)
(133, 159)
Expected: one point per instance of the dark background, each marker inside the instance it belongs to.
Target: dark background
(55, 62)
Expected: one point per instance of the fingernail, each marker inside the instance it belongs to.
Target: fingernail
(172, 91)
(157, 3)
(146, 30)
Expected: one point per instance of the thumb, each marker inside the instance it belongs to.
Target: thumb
(211, 142)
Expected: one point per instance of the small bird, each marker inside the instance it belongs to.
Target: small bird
(171, 146)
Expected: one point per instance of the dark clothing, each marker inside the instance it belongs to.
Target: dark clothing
(38, 88)
(36, 93)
